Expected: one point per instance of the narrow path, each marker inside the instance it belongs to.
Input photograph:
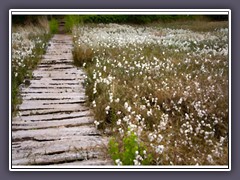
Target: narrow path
(54, 127)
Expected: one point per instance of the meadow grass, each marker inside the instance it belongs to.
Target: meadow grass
(161, 92)
(28, 44)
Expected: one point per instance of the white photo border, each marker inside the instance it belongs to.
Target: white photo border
(119, 12)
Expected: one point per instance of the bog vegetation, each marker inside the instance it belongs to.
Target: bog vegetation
(161, 92)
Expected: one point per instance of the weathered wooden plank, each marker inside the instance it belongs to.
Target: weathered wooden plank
(56, 116)
(51, 151)
(59, 132)
(45, 102)
(43, 86)
(22, 125)
(90, 162)
(59, 159)
(64, 109)
(51, 90)
(58, 80)
(59, 74)
(59, 95)
(52, 106)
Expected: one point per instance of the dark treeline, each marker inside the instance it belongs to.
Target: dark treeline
(138, 19)
(218, 17)
(25, 19)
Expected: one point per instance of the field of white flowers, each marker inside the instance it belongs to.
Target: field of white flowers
(162, 93)
(28, 44)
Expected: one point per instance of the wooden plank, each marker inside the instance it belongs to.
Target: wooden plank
(64, 109)
(51, 90)
(95, 162)
(52, 106)
(22, 125)
(57, 159)
(54, 96)
(55, 116)
(55, 133)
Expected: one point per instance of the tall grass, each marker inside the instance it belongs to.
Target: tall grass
(71, 21)
(28, 44)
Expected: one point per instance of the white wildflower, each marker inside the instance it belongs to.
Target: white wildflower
(117, 100)
(159, 149)
(96, 123)
(118, 162)
(119, 121)
(210, 159)
(94, 103)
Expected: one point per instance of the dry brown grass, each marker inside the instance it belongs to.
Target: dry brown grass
(82, 54)
(43, 22)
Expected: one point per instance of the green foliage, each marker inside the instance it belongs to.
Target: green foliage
(53, 25)
(130, 147)
(15, 98)
(72, 20)
(143, 19)
(129, 151)
(105, 18)
(114, 149)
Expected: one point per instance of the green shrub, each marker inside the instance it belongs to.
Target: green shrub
(130, 152)
(72, 20)
(53, 25)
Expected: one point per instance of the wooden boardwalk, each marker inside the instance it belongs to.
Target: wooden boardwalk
(54, 127)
